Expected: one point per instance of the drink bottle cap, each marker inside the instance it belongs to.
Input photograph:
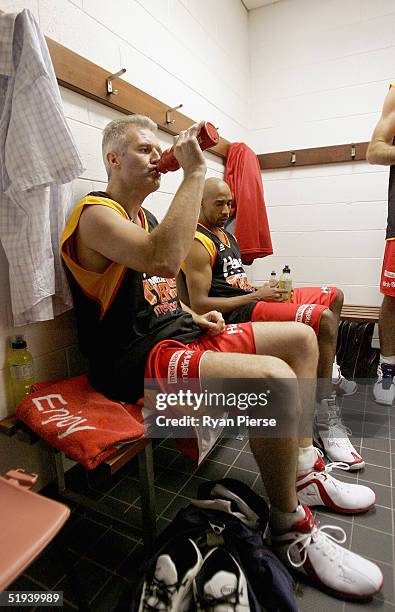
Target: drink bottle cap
(273, 273)
(18, 342)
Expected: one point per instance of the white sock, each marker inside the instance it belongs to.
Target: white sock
(282, 521)
(306, 460)
(390, 359)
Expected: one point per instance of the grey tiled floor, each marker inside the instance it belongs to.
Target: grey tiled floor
(107, 559)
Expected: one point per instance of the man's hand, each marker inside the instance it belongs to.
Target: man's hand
(187, 151)
(271, 294)
(212, 321)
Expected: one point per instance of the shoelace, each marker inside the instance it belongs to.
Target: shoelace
(338, 432)
(163, 593)
(333, 465)
(209, 603)
(385, 374)
(320, 538)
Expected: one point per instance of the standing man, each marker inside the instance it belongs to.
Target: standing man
(122, 265)
(216, 279)
(381, 150)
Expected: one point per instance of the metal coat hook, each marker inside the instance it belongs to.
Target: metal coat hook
(293, 157)
(110, 79)
(353, 150)
(169, 111)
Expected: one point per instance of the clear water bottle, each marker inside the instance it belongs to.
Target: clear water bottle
(273, 280)
(285, 282)
(20, 362)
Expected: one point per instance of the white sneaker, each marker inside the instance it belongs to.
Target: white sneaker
(170, 588)
(331, 435)
(341, 385)
(221, 585)
(319, 488)
(384, 388)
(317, 554)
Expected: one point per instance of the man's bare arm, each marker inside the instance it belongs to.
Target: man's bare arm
(381, 150)
(199, 278)
(162, 251)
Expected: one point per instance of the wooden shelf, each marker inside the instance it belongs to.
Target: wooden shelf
(86, 78)
(320, 155)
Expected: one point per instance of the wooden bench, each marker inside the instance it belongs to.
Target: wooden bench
(142, 448)
(360, 313)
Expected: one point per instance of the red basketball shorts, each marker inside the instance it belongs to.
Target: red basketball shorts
(307, 306)
(176, 362)
(387, 283)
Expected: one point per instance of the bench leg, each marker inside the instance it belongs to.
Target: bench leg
(148, 509)
(59, 469)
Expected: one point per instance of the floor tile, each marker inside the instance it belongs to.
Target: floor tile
(375, 457)
(172, 480)
(233, 443)
(372, 544)
(191, 486)
(310, 599)
(246, 461)
(91, 576)
(108, 598)
(375, 474)
(247, 477)
(380, 444)
(224, 454)
(162, 499)
(376, 518)
(211, 470)
(176, 505)
(126, 490)
(111, 550)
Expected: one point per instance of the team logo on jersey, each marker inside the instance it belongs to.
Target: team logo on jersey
(161, 293)
(222, 247)
(389, 274)
(326, 289)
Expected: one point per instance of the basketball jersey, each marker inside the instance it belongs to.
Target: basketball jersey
(121, 313)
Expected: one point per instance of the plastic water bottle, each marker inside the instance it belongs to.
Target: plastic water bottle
(20, 362)
(285, 282)
(273, 279)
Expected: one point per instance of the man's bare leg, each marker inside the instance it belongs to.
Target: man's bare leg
(384, 388)
(294, 354)
(387, 327)
(276, 457)
(327, 340)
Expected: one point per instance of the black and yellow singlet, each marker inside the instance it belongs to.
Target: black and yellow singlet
(121, 313)
(229, 278)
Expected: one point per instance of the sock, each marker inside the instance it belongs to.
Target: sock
(306, 460)
(390, 359)
(282, 521)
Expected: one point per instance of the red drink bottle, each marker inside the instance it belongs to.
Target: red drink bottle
(207, 137)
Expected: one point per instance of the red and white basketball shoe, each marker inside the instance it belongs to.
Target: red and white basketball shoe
(319, 488)
(316, 553)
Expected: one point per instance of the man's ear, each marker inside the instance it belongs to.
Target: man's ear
(113, 160)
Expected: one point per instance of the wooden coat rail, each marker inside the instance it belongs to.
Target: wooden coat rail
(86, 78)
(320, 155)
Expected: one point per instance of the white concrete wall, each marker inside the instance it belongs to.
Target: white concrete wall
(319, 74)
(189, 51)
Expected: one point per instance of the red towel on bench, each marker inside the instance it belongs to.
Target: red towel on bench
(84, 424)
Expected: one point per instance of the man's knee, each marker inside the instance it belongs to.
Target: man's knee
(328, 325)
(305, 341)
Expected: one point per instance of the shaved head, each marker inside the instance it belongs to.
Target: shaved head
(212, 186)
(216, 203)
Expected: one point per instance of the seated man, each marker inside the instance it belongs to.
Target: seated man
(122, 265)
(216, 279)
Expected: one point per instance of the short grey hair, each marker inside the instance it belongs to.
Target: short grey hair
(115, 134)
